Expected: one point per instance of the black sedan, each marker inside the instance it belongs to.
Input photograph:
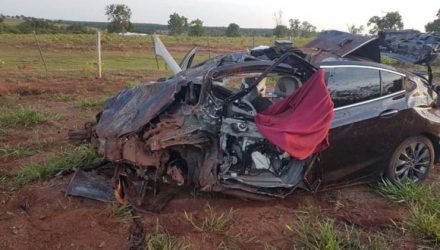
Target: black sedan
(336, 115)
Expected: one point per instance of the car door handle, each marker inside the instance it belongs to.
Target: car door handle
(388, 113)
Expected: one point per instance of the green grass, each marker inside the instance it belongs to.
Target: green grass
(66, 160)
(389, 61)
(425, 223)
(74, 55)
(405, 192)
(14, 152)
(123, 211)
(131, 84)
(322, 234)
(90, 103)
(162, 240)
(212, 221)
(424, 204)
(24, 116)
(63, 98)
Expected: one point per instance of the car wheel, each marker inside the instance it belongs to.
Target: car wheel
(411, 160)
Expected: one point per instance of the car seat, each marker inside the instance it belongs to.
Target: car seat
(286, 85)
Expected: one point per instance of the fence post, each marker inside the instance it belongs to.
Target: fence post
(209, 49)
(253, 40)
(154, 52)
(39, 50)
(98, 54)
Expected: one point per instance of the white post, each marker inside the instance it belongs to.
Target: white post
(98, 55)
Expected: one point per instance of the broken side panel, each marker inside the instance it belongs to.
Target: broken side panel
(410, 46)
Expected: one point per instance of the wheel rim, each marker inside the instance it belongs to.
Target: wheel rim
(413, 162)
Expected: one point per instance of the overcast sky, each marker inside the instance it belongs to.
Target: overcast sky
(325, 14)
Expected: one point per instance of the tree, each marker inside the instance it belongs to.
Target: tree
(391, 21)
(307, 29)
(295, 27)
(177, 24)
(355, 30)
(298, 28)
(280, 31)
(434, 26)
(119, 16)
(196, 28)
(37, 25)
(233, 30)
(2, 25)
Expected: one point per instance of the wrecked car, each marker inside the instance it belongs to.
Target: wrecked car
(266, 122)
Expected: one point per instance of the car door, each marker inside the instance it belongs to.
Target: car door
(366, 125)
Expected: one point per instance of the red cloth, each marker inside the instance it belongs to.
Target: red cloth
(299, 124)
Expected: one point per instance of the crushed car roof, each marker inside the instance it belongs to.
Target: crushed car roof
(343, 44)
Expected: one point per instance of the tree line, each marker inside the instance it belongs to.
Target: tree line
(42, 26)
(119, 16)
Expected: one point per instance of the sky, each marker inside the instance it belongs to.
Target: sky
(324, 14)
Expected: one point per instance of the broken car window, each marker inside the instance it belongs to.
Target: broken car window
(236, 82)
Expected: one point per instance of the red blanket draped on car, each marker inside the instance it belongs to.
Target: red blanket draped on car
(299, 124)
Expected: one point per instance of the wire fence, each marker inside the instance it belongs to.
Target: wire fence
(75, 55)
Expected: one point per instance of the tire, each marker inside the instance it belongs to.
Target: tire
(411, 160)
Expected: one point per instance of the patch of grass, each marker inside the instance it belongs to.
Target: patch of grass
(424, 204)
(212, 220)
(69, 159)
(319, 236)
(131, 84)
(162, 240)
(405, 192)
(63, 98)
(89, 103)
(324, 234)
(121, 211)
(11, 152)
(389, 61)
(425, 223)
(25, 116)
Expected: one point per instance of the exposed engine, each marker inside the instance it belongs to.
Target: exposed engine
(250, 159)
(246, 151)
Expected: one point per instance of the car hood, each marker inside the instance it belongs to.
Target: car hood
(133, 108)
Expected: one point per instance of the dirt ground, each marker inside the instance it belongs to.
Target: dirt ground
(40, 216)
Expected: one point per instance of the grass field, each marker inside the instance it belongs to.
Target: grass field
(37, 109)
(76, 54)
